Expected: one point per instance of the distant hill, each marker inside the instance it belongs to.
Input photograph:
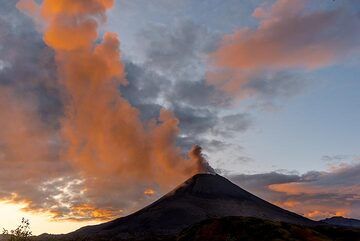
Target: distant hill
(341, 221)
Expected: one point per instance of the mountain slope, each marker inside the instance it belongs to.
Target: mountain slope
(341, 221)
(201, 197)
(254, 229)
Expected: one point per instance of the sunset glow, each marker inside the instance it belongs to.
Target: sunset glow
(106, 106)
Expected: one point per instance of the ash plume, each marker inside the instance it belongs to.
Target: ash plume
(113, 155)
(202, 164)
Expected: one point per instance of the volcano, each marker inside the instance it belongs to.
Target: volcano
(201, 197)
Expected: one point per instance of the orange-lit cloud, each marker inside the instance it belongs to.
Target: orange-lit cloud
(149, 192)
(324, 213)
(315, 195)
(312, 209)
(112, 154)
(90, 212)
(288, 203)
(27, 151)
(318, 200)
(31, 173)
(288, 37)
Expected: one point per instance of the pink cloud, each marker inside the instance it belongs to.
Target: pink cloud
(289, 36)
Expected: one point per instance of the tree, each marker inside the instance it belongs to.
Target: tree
(21, 233)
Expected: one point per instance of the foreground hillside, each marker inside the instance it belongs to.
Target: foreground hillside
(254, 229)
(232, 229)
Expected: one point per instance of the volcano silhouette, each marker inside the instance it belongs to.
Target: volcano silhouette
(199, 198)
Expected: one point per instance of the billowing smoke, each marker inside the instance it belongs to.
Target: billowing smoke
(203, 164)
(116, 158)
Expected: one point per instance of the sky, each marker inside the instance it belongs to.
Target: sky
(103, 104)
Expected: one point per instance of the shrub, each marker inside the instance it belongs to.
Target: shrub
(21, 233)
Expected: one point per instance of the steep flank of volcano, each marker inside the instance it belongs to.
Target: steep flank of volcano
(201, 197)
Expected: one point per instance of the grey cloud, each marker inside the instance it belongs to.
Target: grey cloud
(171, 74)
(195, 104)
(215, 145)
(333, 191)
(258, 183)
(31, 109)
(178, 51)
(198, 93)
(237, 122)
(195, 120)
(149, 92)
(229, 125)
(328, 158)
(281, 84)
(30, 66)
(144, 85)
(340, 158)
(344, 176)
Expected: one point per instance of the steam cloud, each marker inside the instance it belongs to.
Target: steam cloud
(110, 156)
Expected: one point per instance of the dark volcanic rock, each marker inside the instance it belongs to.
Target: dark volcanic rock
(201, 197)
